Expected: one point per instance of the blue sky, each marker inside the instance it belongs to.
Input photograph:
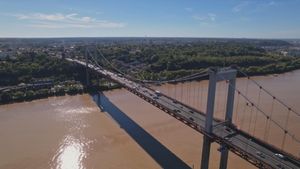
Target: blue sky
(151, 18)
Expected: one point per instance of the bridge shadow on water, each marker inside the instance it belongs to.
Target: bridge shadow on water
(161, 154)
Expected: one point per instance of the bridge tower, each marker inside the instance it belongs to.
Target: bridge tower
(216, 75)
(87, 69)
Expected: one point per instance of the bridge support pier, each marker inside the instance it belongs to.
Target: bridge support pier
(215, 76)
(224, 158)
(205, 152)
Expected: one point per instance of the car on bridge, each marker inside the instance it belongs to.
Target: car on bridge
(228, 139)
(280, 156)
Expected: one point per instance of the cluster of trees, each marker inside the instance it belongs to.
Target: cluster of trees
(29, 67)
(23, 94)
(33, 67)
(273, 68)
(169, 60)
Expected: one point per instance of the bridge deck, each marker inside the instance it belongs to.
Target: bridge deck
(249, 148)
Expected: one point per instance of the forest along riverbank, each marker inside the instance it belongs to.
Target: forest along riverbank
(73, 132)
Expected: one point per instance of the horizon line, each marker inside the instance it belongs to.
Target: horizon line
(145, 37)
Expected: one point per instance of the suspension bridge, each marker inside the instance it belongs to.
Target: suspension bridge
(237, 129)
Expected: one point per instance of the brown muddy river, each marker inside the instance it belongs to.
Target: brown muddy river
(72, 132)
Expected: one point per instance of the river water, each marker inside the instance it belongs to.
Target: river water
(119, 130)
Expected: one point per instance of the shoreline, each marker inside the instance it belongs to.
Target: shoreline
(93, 90)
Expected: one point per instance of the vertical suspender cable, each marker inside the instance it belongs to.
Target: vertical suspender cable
(246, 105)
(198, 97)
(285, 132)
(251, 112)
(256, 112)
(269, 93)
(226, 86)
(195, 95)
(169, 89)
(175, 88)
(202, 101)
(217, 100)
(188, 93)
(181, 99)
(292, 135)
(267, 130)
(237, 107)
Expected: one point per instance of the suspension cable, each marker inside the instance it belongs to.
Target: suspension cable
(101, 54)
(186, 78)
(266, 127)
(180, 79)
(287, 119)
(92, 56)
(283, 141)
(269, 93)
(168, 90)
(260, 110)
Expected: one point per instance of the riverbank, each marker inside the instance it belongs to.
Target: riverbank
(25, 94)
(251, 71)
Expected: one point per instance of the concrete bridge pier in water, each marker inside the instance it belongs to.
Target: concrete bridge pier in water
(215, 76)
